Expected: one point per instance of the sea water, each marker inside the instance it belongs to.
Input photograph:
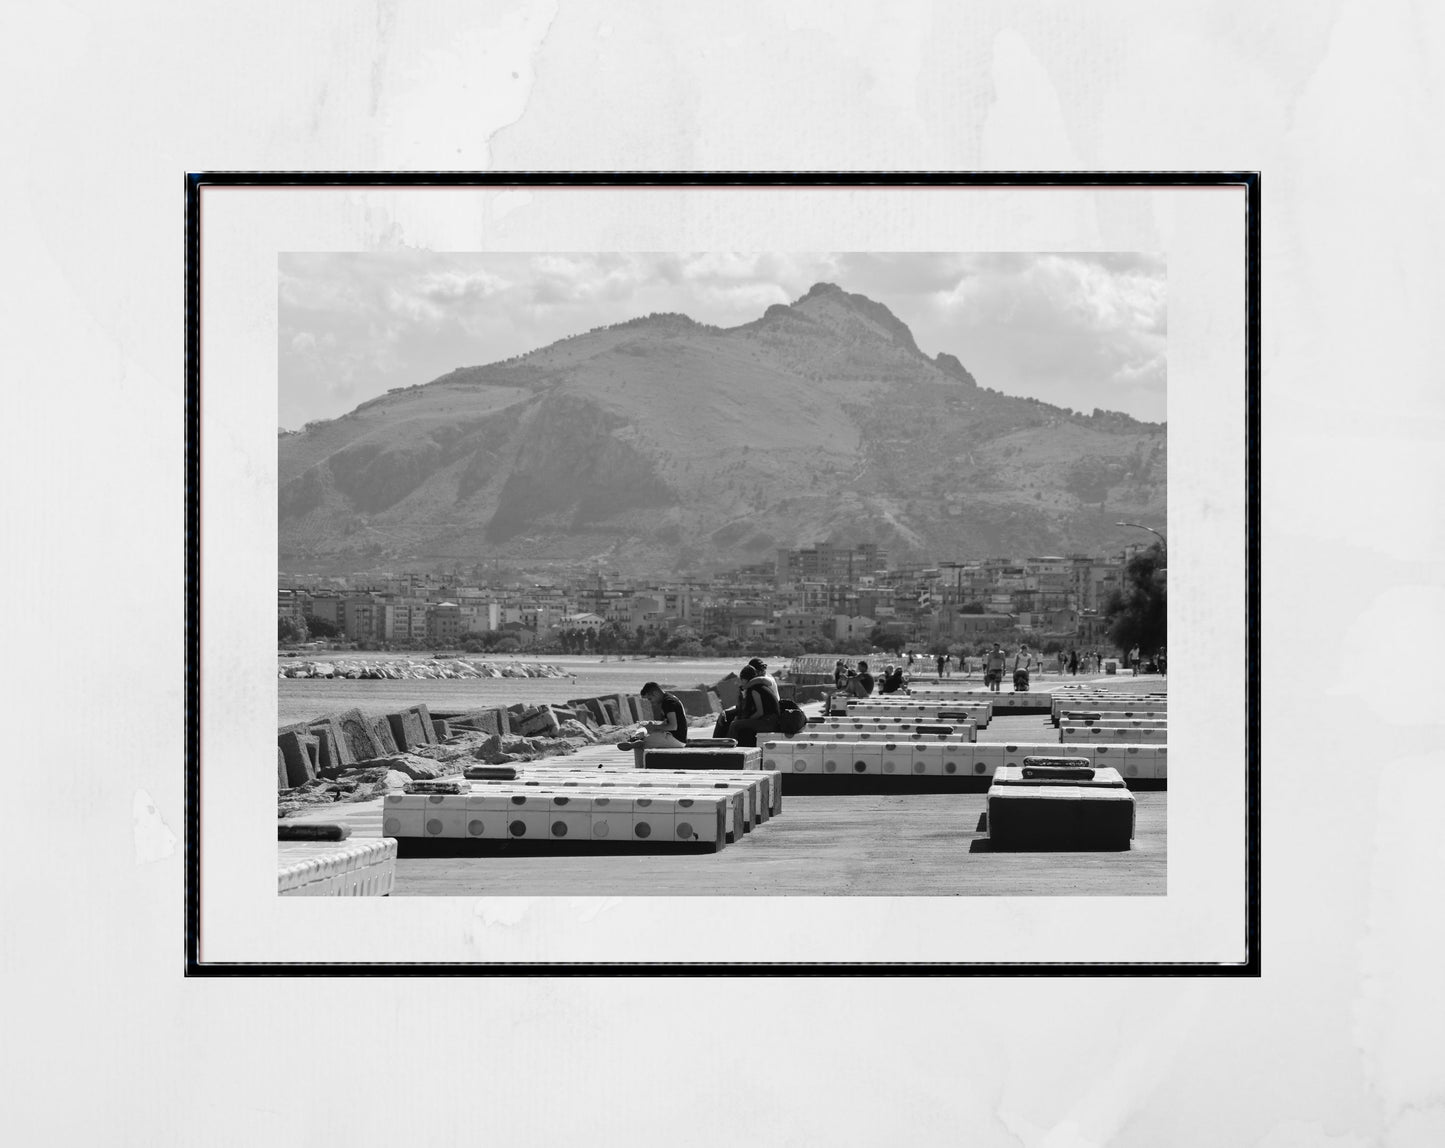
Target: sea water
(301, 699)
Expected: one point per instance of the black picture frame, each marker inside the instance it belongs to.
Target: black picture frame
(195, 183)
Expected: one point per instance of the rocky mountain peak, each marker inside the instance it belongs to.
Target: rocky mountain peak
(830, 304)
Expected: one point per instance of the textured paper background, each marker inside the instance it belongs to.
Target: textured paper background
(1338, 104)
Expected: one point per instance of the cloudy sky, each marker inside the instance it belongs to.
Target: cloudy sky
(1076, 330)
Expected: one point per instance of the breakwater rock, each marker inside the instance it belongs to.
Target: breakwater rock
(418, 669)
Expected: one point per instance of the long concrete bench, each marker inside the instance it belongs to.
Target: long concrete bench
(767, 783)
(350, 868)
(1155, 735)
(1087, 717)
(1043, 809)
(831, 735)
(898, 727)
(942, 711)
(761, 789)
(953, 758)
(1124, 713)
(604, 815)
(1008, 700)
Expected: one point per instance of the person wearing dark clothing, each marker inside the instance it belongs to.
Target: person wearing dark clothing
(1073, 661)
(993, 667)
(860, 685)
(892, 679)
(670, 731)
(757, 710)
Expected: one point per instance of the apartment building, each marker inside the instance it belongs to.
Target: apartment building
(444, 623)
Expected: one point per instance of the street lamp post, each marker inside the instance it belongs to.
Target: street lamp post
(1139, 526)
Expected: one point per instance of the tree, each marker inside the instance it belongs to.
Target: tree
(292, 630)
(321, 628)
(1138, 614)
(885, 639)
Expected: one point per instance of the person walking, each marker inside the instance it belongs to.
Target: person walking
(1073, 662)
(1134, 660)
(993, 667)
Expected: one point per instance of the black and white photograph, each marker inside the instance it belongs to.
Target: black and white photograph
(634, 594)
(586, 560)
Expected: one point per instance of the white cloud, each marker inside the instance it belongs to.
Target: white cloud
(1076, 329)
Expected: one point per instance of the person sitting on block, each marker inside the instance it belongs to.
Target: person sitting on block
(757, 711)
(670, 732)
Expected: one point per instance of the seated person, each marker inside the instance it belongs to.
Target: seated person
(892, 679)
(757, 710)
(761, 667)
(725, 718)
(860, 685)
(670, 731)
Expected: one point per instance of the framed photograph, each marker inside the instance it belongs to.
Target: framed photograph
(533, 466)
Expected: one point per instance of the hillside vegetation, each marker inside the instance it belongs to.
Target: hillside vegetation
(660, 444)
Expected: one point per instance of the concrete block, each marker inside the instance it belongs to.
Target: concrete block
(492, 721)
(444, 815)
(336, 751)
(440, 730)
(281, 779)
(807, 756)
(737, 760)
(957, 758)
(541, 722)
(986, 759)
(896, 758)
(727, 691)
(406, 730)
(926, 759)
(700, 821)
(1060, 817)
(1161, 762)
(359, 737)
(592, 707)
(694, 702)
(403, 814)
(487, 816)
(301, 752)
(1136, 762)
(335, 868)
(424, 717)
(714, 702)
(570, 819)
(778, 754)
(611, 819)
(528, 817)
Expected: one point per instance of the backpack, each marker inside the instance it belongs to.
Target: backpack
(792, 720)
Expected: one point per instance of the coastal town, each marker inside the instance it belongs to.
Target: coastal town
(819, 599)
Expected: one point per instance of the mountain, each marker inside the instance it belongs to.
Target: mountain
(660, 445)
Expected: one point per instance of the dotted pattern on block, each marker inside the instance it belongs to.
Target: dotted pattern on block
(831, 758)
